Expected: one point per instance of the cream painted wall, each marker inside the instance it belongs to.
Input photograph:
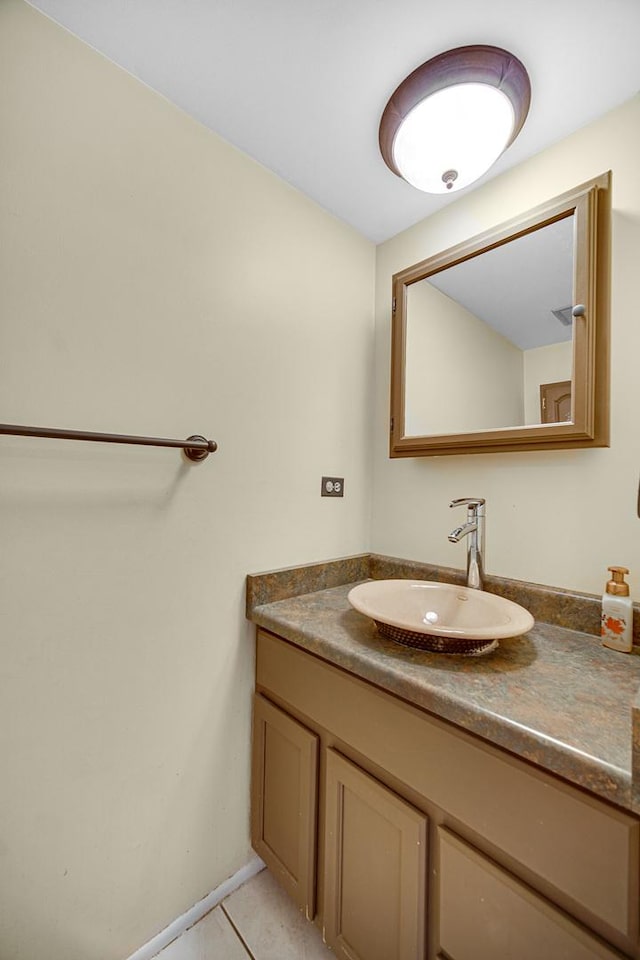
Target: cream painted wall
(441, 336)
(156, 281)
(550, 364)
(556, 517)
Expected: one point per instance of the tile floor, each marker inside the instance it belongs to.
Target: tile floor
(257, 922)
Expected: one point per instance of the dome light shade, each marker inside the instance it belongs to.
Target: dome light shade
(451, 119)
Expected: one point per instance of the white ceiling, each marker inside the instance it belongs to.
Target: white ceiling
(300, 85)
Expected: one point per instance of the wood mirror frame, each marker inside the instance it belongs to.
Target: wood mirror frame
(589, 425)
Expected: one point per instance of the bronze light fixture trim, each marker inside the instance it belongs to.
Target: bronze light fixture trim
(448, 122)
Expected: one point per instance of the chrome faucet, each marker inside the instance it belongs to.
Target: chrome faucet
(474, 530)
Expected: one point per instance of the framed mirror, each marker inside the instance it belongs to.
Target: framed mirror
(502, 342)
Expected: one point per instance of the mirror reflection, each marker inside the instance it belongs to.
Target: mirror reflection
(489, 340)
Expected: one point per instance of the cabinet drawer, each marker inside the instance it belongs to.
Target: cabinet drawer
(583, 852)
(486, 914)
(283, 802)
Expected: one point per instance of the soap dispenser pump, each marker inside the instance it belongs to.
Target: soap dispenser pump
(617, 613)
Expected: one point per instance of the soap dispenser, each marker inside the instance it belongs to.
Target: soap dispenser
(617, 613)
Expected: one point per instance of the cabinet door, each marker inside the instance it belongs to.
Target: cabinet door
(284, 800)
(375, 868)
(486, 914)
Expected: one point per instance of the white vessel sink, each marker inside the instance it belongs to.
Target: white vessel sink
(440, 616)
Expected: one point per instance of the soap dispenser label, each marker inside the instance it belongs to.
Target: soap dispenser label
(612, 627)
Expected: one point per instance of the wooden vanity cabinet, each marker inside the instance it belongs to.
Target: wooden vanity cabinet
(426, 842)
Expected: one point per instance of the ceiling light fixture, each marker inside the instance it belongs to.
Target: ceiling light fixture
(451, 119)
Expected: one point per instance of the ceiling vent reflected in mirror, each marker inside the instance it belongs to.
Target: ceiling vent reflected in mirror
(564, 315)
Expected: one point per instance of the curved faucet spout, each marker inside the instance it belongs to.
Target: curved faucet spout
(456, 535)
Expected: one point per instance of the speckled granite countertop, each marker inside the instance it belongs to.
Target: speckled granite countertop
(555, 697)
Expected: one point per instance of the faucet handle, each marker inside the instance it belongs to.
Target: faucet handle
(468, 501)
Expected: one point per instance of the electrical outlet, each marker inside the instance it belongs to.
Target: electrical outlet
(332, 487)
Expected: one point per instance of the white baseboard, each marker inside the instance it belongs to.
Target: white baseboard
(197, 912)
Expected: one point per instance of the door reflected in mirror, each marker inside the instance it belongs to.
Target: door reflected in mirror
(502, 342)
